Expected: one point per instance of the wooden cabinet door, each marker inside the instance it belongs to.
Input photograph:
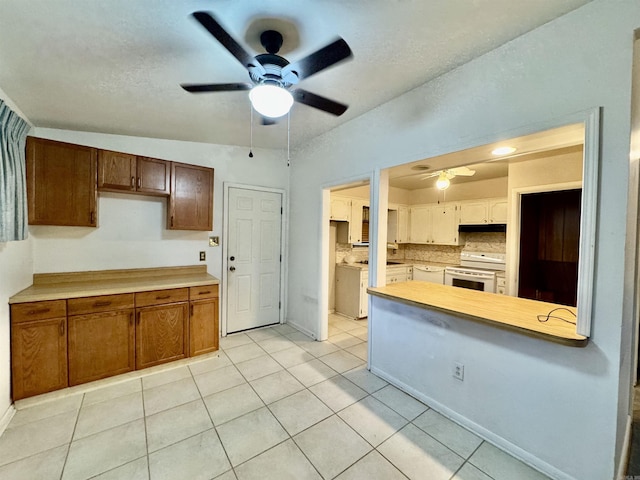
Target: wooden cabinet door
(161, 334)
(203, 326)
(38, 356)
(191, 198)
(116, 171)
(61, 183)
(153, 176)
(100, 345)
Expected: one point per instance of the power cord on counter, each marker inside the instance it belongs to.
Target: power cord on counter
(544, 318)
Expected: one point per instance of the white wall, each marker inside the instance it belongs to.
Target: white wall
(570, 423)
(131, 229)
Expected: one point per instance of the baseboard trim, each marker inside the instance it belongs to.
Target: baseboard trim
(494, 439)
(6, 418)
(302, 329)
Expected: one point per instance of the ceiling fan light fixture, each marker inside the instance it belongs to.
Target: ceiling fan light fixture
(443, 182)
(503, 151)
(270, 100)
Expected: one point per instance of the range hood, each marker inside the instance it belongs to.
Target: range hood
(485, 227)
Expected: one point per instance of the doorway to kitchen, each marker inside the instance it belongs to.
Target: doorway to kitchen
(252, 258)
(549, 246)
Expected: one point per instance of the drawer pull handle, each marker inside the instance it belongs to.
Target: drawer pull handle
(61, 328)
(36, 312)
(102, 304)
(205, 292)
(139, 182)
(133, 182)
(163, 297)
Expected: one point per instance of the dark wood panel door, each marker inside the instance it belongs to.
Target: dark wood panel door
(116, 171)
(38, 357)
(153, 176)
(161, 334)
(191, 199)
(100, 345)
(61, 183)
(203, 327)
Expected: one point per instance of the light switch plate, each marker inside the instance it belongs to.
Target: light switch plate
(214, 241)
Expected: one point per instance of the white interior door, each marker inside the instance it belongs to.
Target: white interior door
(253, 258)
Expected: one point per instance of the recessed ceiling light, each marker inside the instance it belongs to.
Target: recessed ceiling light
(503, 151)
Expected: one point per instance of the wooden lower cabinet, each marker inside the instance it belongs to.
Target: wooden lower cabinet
(101, 345)
(38, 351)
(203, 327)
(162, 334)
(61, 343)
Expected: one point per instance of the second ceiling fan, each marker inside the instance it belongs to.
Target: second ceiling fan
(272, 76)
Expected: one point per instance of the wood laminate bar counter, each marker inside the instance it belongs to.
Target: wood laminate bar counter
(502, 311)
(56, 286)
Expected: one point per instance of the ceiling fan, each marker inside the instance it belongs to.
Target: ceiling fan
(272, 76)
(444, 176)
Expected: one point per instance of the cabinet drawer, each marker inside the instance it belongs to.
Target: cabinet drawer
(158, 297)
(102, 303)
(203, 291)
(24, 312)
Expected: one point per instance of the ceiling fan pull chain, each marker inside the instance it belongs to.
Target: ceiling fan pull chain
(251, 132)
(288, 138)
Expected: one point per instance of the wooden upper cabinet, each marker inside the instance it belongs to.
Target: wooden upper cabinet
(123, 172)
(61, 183)
(191, 199)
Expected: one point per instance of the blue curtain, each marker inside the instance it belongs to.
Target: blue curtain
(13, 184)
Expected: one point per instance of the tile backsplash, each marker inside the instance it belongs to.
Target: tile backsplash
(484, 242)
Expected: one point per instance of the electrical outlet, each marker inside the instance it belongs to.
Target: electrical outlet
(458, 371)
(203, 256)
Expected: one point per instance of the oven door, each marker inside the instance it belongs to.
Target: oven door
(474, 280)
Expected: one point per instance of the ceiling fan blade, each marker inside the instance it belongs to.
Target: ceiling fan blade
(319, 102)
(462, 171)
(226, 40)
(429, 175)
(215, 87)
(331, 54)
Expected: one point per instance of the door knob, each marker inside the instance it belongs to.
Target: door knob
(232, 269)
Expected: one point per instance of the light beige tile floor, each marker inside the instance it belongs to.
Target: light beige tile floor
(271, 404)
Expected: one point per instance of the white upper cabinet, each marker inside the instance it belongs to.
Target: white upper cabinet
(420, 224)
(444, 224)
(498, 210)
(340, 208)
(485, 211)
(398, 224)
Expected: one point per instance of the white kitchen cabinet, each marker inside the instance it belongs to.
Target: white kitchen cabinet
(398, 224)
(474, 213)
(482, 212)
(435, 224)
(420, 224)
(340, 208)
(355, 224)
(445, 219)
(351, 291)
(351, 231)
(498, 210)
(398, 273)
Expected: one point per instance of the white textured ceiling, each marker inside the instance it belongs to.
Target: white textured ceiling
(114, 66)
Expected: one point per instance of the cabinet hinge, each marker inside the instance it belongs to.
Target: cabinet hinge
(279, 305)
(280, 257)
(280, 210)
